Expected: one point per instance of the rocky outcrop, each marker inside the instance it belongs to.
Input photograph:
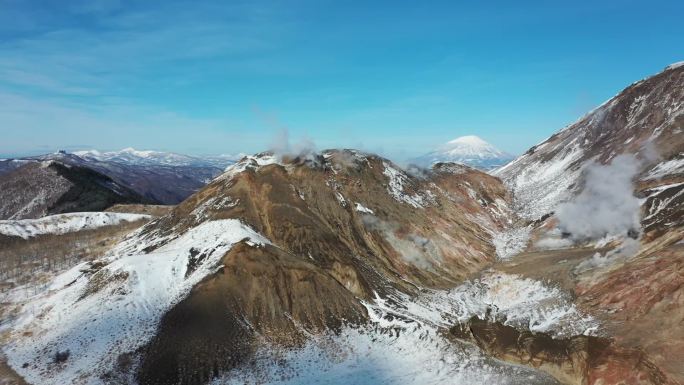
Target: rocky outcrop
(578, 360)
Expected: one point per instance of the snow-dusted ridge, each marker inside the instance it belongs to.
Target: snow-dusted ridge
(99, 315)
(675, 65)
(550, 172)
(398, 182)
(65, 223)
(538, 187)
(252, 162)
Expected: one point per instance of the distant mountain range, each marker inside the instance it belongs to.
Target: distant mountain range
(37, 189)
(158, 158)
(147, 176)
(469, 150)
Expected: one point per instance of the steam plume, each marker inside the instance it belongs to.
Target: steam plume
(607, 204)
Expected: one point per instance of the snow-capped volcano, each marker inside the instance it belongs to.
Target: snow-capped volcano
(470, 150)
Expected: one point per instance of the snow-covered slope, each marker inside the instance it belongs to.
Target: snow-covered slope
(404, 345)
(65, 223)
(647, 118)
(95, 312)
(148, 157)
(470, 150)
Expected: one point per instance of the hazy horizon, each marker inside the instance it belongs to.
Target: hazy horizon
(397, 79)
(80, 148)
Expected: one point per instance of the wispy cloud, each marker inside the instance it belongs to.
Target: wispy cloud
(78, 69)
(113, 51)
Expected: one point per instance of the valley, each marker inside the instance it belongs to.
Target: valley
(564, 266)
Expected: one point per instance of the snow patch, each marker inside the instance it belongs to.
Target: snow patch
(366, 356)
(340, 199)
(117, 309)
(522, 303)
(398, 180)
(65, 223)
(675, 65)
(658, 204)
(510, 242)
(405, 345)
(667, 168)
(362, 209)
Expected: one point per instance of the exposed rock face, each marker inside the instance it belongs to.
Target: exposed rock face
(638, 299)
(268, 293)
(330, 252)
(38, 189)
(429, 229)
(578, 360)
(663, 205)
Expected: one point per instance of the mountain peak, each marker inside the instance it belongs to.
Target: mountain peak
(146, 153)
(471, 140)
(470, 150)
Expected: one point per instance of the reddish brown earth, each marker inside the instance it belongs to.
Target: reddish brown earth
(326, 254)
(638, 297)
(578, 360)
(8, 376)
(644, 304)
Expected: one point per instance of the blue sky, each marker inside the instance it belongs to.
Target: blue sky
(394, 77)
